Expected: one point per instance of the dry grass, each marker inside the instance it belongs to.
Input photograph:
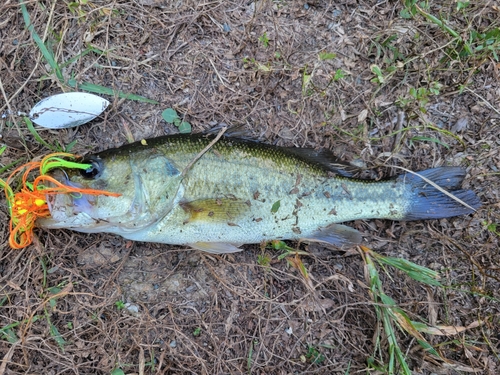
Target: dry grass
(62, 300)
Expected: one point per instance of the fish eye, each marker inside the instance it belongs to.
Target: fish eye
(93, 171)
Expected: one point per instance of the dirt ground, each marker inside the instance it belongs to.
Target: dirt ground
(366, 79)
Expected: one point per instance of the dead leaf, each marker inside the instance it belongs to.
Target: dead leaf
(362, 115)
(460, 125)
(13, 285)
(440, 330)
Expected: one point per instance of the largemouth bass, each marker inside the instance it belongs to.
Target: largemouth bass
(240, 192)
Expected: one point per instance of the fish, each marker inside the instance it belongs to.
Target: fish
(241, 192)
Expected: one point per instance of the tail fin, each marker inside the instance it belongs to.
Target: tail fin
(427, 202)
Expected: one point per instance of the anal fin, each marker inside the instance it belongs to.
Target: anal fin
(215, 247)
(337, 234)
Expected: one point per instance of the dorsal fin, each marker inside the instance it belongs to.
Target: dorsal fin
(326, 159)
(233, 131)
(323, 157)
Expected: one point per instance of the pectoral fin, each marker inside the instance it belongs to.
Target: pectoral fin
(219, 210)
(338, 235)
(215, 247)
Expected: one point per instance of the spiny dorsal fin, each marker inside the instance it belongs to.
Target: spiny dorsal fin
(233, 131)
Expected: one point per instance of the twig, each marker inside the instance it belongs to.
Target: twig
(399, 128)
(21, 88)
(218, 75)
(7, 357)
(483, 99)
(7, 103)
(202, 152)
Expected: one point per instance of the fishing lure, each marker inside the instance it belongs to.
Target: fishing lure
(30, 202)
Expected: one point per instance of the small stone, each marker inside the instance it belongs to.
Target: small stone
(132, 309)
(173, 344)
(226, 27)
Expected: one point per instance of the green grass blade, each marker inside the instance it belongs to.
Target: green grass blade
(416, 272)
(438, 22)
(7, 332)
(9, 335)
(348, 369)
(8, 166)
(447, 133)
(428, 347)
(249, 358)
(70, 146)
(75, 58)
(387, 313)
(429, 139)
(54, 332)
(402, 361)
(39, 139)
(98, 89)
(422, 278)
(48, 55)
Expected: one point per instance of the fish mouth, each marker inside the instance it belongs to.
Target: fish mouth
(70, 210)
(127, 196)
(91, 213)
